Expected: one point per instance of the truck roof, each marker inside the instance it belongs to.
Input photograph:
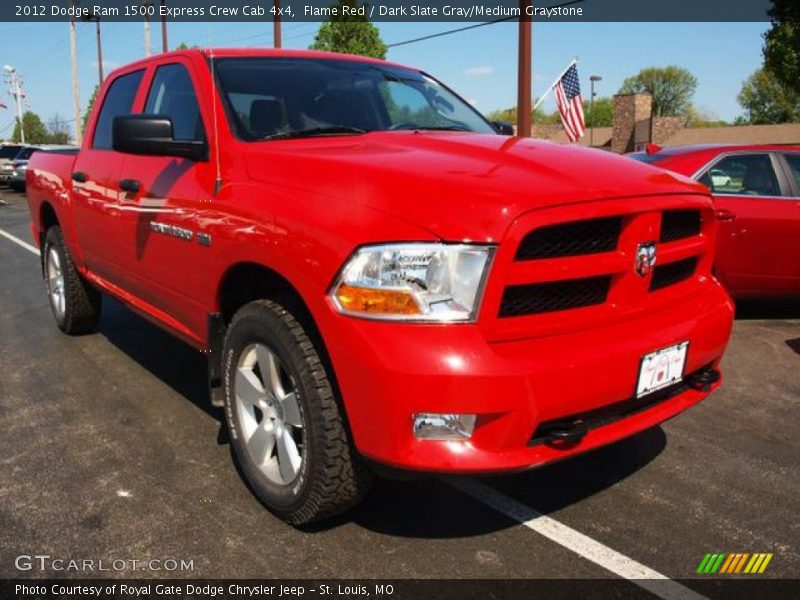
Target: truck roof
(265, 52)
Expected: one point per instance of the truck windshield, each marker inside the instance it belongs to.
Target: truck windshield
(279, 98)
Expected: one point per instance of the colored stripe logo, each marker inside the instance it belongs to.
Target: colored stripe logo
(734, 563)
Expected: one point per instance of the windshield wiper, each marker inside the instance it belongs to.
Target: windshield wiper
(315, 131)
(444, 128)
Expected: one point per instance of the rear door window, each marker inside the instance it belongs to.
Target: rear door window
(743, 175)
(793, 160)
(118, 101)
(172, 95)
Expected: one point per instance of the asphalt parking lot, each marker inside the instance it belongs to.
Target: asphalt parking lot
(109, 448)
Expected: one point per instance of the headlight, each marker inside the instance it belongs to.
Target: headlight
(415, 282)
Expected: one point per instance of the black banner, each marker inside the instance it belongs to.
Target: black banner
(467, 11)
(732, 588)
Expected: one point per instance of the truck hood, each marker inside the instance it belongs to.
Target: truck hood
(458, 186)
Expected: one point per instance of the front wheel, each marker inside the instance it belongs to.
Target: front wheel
(287, 430)
(75, 304)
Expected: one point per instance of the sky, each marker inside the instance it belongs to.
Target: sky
(480, 64)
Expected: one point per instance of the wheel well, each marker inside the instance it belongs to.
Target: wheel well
(47, 218)
(246, 282)
(249, 281)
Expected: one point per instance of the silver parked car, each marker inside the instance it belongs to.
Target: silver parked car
(19, 165)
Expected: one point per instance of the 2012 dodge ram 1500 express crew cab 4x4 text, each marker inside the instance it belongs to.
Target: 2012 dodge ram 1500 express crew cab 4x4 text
(377, 276)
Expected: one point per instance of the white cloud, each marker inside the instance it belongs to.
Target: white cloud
(479, 71)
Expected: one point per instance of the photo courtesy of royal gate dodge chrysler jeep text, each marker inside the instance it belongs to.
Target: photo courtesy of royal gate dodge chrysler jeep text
(379, 277)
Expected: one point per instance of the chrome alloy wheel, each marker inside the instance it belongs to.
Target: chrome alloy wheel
(55, 283)
(268, 407)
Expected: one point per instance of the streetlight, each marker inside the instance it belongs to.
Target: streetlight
(17, 92)
(592, 80)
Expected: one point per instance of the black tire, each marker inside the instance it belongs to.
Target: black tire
(82, 302)
(332, 477)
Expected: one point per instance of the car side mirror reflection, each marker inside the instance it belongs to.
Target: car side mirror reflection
(503, 128)
(152, 135)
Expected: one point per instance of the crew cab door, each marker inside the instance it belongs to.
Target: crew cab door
(95, 184)
(160, 200)
(757, 251)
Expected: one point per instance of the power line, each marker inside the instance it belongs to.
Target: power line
(448, 32)
(468, 27)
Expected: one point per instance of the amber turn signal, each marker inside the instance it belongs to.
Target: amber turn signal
(355, 299)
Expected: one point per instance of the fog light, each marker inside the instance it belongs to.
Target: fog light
(432, 426)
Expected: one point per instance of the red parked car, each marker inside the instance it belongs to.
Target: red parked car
(375, 273)
(757, 194)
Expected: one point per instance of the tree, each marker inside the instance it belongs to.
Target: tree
(185, 46)
(700, 117)
(603, 112)
(35, 131)
(58, 129)
(671, 87)
(766, 100)
(351, 33)
(89, 107)
(538, 117)
(782, 43)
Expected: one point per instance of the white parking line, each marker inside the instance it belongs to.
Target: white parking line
(582, 545)
(19, 242)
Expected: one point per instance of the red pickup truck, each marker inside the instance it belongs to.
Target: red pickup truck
(377, 276)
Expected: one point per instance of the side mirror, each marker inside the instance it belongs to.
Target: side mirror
(151, 135)
(503, 128)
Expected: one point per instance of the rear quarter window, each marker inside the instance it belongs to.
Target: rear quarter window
(118, 101)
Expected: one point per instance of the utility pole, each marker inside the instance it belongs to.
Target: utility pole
(76, 99)
(164, 41)
(524, 71)
(592, 80)
(96, 19)
(146, 6)
(99, 52)
(16, 91)
(276, 25)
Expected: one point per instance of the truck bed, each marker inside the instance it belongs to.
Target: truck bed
(49, 189)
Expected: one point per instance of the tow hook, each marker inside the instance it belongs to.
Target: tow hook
(703, 380)
(567, 433)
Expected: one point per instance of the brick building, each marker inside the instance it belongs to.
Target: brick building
(634, 126)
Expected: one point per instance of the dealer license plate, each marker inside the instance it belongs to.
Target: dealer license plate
(661, 369)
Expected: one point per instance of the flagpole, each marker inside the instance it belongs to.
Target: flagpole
(552, 85)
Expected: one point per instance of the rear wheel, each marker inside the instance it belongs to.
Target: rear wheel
(287, 430)
(75, 304)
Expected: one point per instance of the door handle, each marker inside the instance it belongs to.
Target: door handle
(79, 176)
(130, 185)
(723, 214)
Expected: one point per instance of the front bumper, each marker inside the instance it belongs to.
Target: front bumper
(387, 372)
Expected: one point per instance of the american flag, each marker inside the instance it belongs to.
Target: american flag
(570, 104)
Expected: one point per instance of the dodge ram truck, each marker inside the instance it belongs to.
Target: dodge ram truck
(379, 278)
